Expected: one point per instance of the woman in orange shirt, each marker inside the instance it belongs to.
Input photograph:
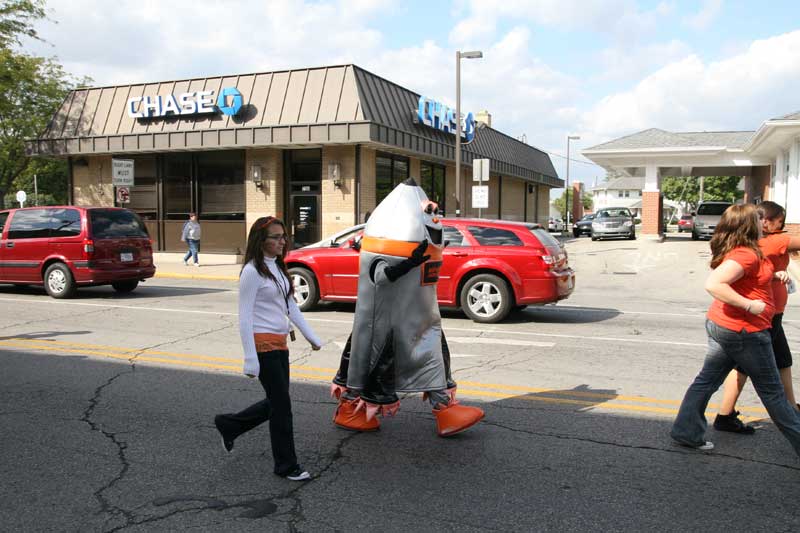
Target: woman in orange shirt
(737, 325)
(775, 245)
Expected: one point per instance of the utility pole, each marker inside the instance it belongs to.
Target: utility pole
(35, 191)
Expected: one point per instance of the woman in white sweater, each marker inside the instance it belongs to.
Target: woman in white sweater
(266, 308)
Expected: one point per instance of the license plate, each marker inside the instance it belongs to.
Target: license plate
(126, 257)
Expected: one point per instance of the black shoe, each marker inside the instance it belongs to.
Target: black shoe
(298, 474)
(226, 442)
(732, 423)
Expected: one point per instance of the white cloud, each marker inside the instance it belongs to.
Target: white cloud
(703, 18)
(736, 93)
(627, 64)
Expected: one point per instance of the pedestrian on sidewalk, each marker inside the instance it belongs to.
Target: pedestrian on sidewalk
(737, 325)
(191, 236)
(267, 311)
(775, 245)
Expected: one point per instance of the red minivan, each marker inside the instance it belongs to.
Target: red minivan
(64, 247)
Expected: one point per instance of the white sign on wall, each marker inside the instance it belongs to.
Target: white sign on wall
(480, 170)
(480, 196)
(122, 172)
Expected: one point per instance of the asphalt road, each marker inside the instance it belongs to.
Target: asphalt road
(107, 406)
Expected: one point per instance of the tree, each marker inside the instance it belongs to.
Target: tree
(687, 189)
(561, 202)
(17, 18)
(31, 89)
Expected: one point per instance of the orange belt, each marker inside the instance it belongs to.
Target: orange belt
(269, 342)
(397, 248)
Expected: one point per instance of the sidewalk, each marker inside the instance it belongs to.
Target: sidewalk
(175, 269)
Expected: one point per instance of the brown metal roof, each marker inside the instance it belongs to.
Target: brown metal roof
(334, 104)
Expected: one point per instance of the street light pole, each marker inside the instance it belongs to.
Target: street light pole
(566, 192)
(476, 54)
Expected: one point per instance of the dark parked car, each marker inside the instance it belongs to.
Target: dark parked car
(490, 267)
(583, 226)
(613, 222)
(63, 247)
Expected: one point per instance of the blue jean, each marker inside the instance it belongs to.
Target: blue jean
(752, 352)
(194, 247)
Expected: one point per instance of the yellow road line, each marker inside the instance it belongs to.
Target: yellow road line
(323, 374)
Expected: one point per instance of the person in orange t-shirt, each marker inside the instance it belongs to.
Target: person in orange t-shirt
(775, 245)
(737, 324)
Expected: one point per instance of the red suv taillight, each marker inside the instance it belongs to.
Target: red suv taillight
(88, 247)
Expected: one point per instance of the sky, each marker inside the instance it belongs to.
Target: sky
(599, 69)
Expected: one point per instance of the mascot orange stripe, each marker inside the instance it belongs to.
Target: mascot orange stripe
(397, 248)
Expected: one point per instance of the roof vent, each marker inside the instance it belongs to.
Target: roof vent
(484, 117)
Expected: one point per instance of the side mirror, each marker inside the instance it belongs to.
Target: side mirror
(354, 244)
(693, 214)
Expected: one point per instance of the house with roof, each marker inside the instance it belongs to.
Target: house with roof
(768, 160)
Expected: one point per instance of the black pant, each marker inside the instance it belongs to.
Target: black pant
(277, 408)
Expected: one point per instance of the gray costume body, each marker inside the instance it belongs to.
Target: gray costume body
(396, 332)
(396, 344)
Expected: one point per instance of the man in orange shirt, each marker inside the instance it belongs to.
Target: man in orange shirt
(775, 245)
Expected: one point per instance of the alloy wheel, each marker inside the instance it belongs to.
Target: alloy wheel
(484, 299)
(301, 289)
(57, 281)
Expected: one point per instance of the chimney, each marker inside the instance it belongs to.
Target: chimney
(484, 117)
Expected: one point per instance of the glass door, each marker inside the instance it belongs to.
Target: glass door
(305, 221)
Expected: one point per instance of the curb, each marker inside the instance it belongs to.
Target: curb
(208, 277)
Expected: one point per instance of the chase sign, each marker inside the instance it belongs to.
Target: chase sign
(228, 102)
(441, 117)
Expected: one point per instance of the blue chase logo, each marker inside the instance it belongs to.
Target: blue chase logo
(441, 117)
(236, 103)
(228, 102)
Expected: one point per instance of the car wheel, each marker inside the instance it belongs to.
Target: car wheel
(695, 236)
(593, 237)
(58, 281)
(632, 236)
(125, 286)
(486, 298)
(306, 293)
(576, 232)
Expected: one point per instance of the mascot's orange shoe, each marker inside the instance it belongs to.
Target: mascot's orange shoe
(455, 418)
(349, 416)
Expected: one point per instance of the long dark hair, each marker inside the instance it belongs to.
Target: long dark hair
(255, 250)
(772, 211)
(738, 226)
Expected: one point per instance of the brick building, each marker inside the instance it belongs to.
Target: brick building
(316, 147)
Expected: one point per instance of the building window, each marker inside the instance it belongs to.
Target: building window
(619, 194)
(390, 170)
(627, 194)
(432, 176)
(220, 177)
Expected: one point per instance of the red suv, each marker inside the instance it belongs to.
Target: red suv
(490, 267)
(63, 247)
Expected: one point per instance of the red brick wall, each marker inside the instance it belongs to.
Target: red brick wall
(757, 184)
(651, 212)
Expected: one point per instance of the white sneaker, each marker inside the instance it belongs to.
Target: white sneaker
(197, 265)
(186, 263)
(707, 446)
(298, 474)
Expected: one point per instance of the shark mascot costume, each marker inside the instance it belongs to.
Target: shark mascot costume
(397, 345)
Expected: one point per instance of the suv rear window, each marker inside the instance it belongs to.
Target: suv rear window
(712, 209)
(494, 236)
(115, 223)
(545, 238)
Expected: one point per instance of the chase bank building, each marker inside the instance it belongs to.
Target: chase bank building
(317, 147)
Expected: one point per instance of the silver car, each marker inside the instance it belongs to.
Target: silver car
(707, 217)
(613, 222)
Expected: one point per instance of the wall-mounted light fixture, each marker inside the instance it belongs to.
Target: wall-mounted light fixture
(256, 175)
(335, 174)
